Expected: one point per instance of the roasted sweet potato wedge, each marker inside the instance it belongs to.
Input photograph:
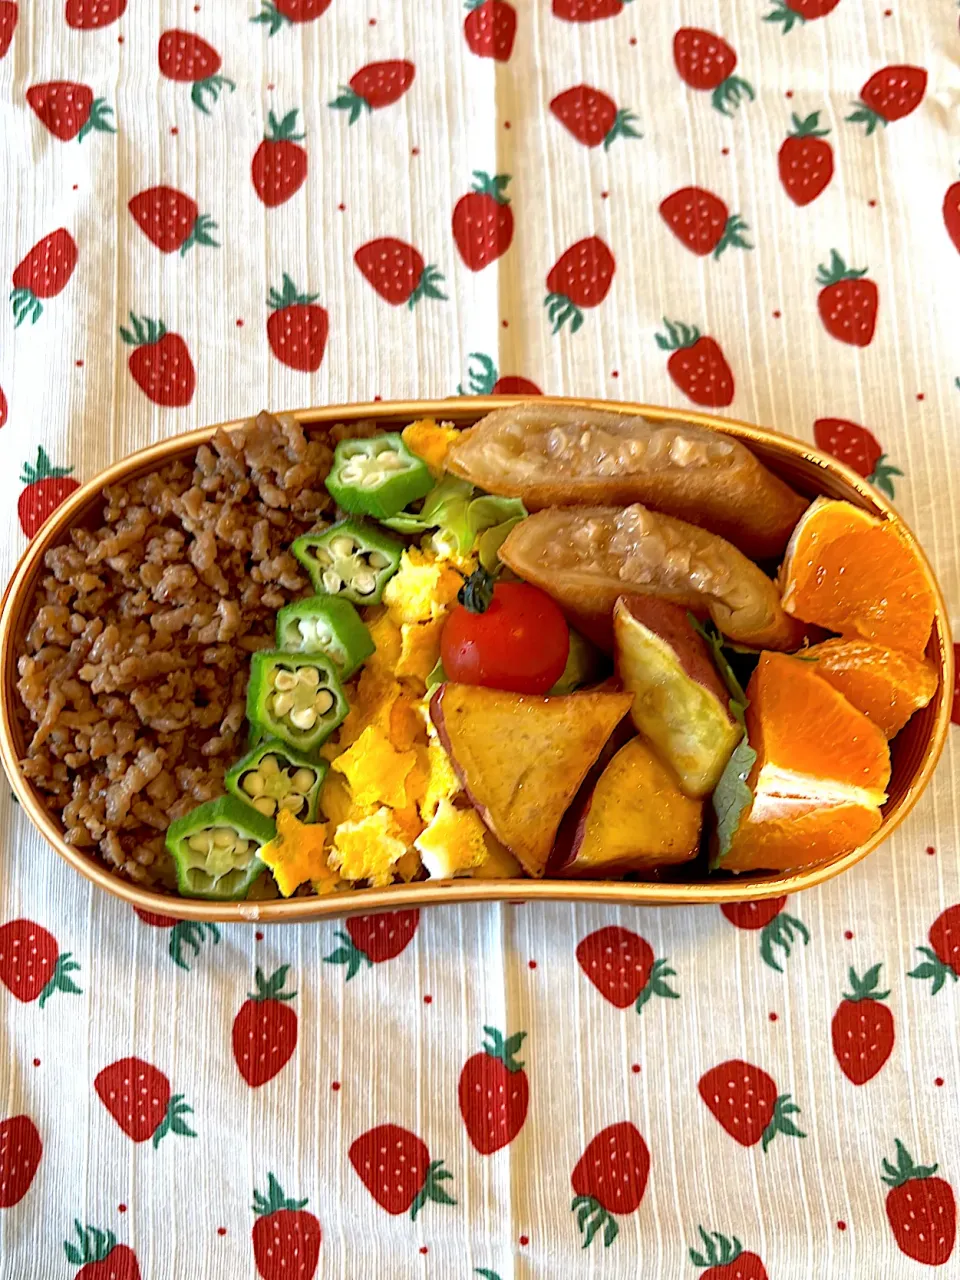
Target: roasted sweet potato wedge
(521, 758)
(636, 818)
(557, 455)
(586, 557)
(680, 704)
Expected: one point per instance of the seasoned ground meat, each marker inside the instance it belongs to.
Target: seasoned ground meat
(135, 663)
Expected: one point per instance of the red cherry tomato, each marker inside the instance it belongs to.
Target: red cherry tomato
(519, 643)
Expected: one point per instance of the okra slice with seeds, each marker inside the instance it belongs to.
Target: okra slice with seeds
(378, 476)
(325, 624)
(273, 777)
(215, 849)
(295, 697)
(351, 560)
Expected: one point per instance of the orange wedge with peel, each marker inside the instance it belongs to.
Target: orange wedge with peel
(853, 573)
(820, 775)
(888, 686)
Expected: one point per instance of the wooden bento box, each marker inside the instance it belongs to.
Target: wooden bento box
(915, 750)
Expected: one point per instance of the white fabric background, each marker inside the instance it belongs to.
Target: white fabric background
(396, 1057)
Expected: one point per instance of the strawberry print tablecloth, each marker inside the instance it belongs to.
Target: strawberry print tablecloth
(213, 207)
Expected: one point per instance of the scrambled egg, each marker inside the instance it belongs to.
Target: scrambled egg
(453, 844)
(375, 769)
(419, 648)
(297, 853)
(430, 441)
(370, 848)
(442, 783)
(423, 588)
(388, 796)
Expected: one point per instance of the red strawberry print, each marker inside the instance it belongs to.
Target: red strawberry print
(286, 1239)
(847, 302)
(862, 1028)
(20, 1152)
(490, 28)
(31, 966)
(160, 365)
(921, 1209)
(581, 277)
(943, 955)
(8, 24)
(777, 929)
(951, 214)
(592, 116)
(43, 273)
(744, 1099)
(183, 933)
(483, 221)
(378, 84)
(725, 1259)
(186, 58)
(805, 160)
(494, 1092)
(395, 1167)
(88, 15)
(697, 366)
(610, 1179)
(171, 220)
(99, 1257)
(858, 448)
(297, 328)
(889, 94)
(3, 408)
(138, 1097)
(397, 272)
(279, 167)
(702, 222)
(373, 939)
(587, 10)
(69, 110)
(706, 62)
(621, 965)
(790, 12)
(484, 380)
(46, 487)
(281, 13)
(265, 1029)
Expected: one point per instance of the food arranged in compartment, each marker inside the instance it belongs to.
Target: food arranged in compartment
(551, 644)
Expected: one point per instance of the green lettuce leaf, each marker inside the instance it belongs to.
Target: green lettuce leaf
(436, 676)
(732, 796)
(491, 540)
(453, 516)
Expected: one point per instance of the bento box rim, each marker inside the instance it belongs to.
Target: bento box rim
(397, 897)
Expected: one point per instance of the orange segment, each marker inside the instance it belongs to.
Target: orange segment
(886, 685)
(850, 572)
(820, 776)
(809, 740)
(801, 834)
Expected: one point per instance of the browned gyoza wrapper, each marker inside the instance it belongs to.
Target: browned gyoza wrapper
(585, 557)
(552, 456)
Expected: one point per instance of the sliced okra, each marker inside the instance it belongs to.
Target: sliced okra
(295, 697)
(325, 624)
(378, 476)
(273, 777)
(350, 559)
(216, 847)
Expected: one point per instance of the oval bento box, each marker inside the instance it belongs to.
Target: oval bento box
(915, 751)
